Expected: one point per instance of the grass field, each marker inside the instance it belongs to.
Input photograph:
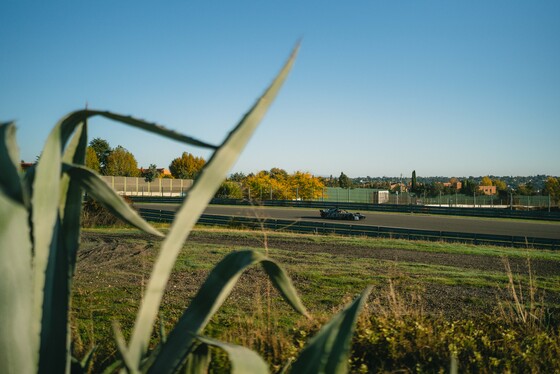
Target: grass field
(494, 309)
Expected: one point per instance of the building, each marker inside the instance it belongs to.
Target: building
(455, 185)
(487, 190)
(380, 196)
(400, 187)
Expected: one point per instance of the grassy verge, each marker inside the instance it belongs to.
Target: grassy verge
(431, 301)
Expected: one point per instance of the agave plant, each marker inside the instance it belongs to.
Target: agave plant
(40, 236)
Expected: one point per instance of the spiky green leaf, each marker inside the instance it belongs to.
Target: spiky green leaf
(283, 283)
(10, 180)
(107, 197)
(55, 332)
(69, 123)
(199, 360)
(208, 300)
(47, 183)
(45, 202)
(16, 289)
(194, 204)
(53, 352)
(327, 352)
(123, 351)
(243, 360)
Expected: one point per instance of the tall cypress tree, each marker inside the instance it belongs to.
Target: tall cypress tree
(414, 186)
(344, 181)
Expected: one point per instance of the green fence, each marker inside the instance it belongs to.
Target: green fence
(374, 196)
(354, 195)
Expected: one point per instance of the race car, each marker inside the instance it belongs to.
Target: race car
(335, 213)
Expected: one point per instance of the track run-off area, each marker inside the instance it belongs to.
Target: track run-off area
(474, 225)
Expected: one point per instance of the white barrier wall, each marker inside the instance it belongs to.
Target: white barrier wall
(133, 186)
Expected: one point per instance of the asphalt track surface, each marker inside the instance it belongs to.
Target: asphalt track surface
(511, 227)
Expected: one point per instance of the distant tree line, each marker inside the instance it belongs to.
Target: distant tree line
(118, 161)
(276, 182)
(433, 186)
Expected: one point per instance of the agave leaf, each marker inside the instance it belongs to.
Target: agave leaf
(10, 180)
(16, 354)
(71, 212)
(55, 332)
(68, 158)
(208, 300)
(243, 360)
(155, 128)
(85, 363)
(113, 367)
(68, 124)
(121, 346)
(107, 197)
(47, 183)
(283, 283)
(53, 352)
(327, 352)
(199, 360)
(196, 200)
(45, 202)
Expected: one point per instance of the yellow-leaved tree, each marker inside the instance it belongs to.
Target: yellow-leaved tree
(486, 181)
(305, 185)
(277, 184)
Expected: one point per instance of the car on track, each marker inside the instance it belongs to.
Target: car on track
(335, 213)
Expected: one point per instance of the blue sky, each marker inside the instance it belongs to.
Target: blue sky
(380, 88)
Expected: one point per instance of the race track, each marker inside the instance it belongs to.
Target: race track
(535, 229)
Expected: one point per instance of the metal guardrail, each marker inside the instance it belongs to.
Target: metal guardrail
(420, 209)
(359, 230)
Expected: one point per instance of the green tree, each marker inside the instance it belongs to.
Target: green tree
(414, 185)
(230, 190)
(237, 177)
(121, 162)
(331, 181)
(552, 188)
(470, 187)
(526, 189)
(151, 173)
(500, 185)
(92, 161)
(187, 166)
(434, 189)
(344, 181)
(102, 151)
